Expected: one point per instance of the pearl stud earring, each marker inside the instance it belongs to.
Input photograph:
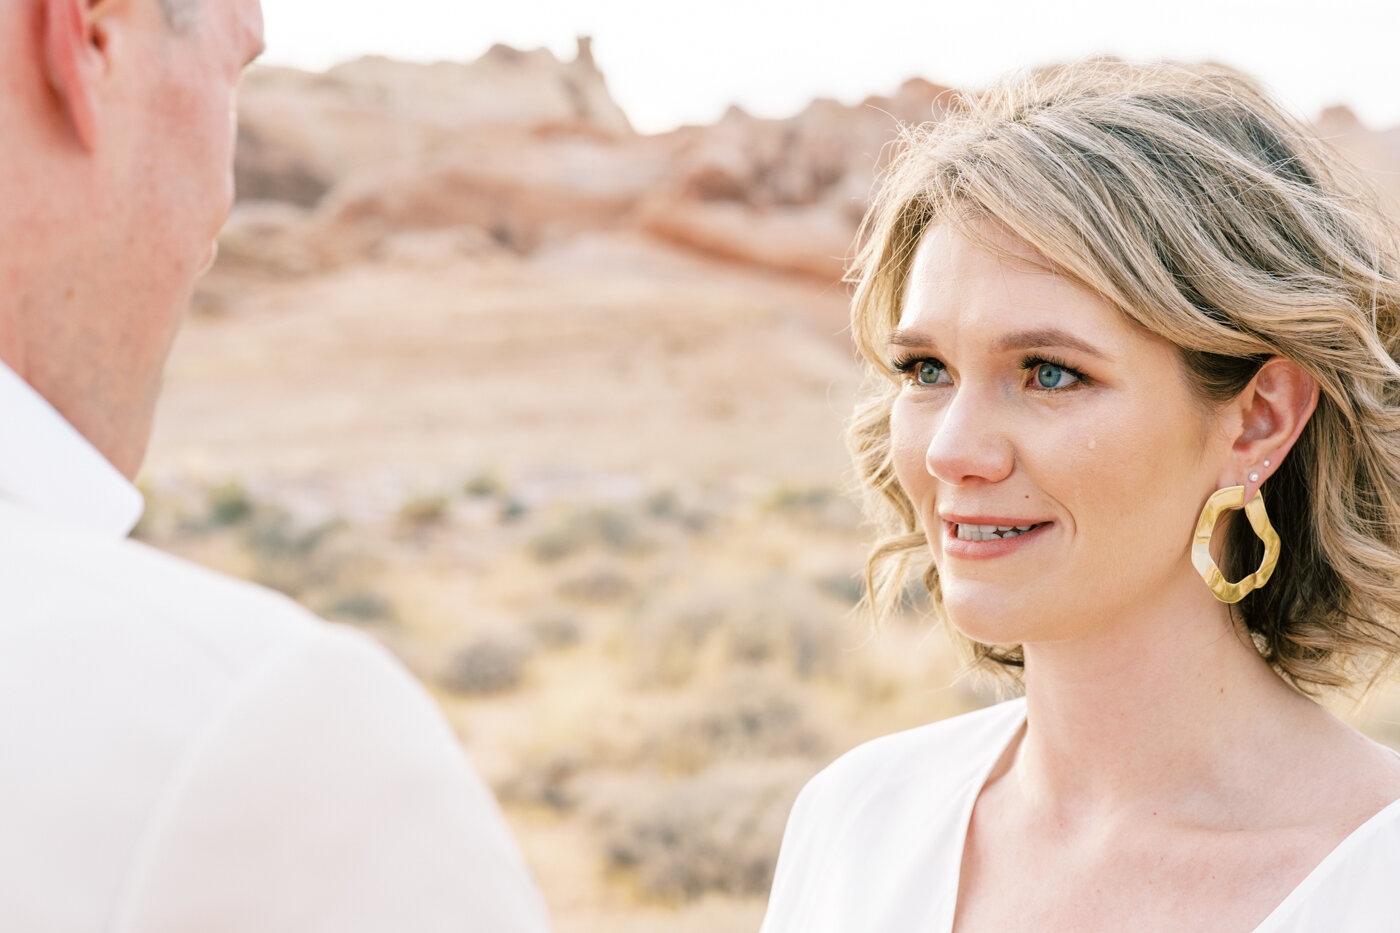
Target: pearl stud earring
(1268, 463)
(1254, 477)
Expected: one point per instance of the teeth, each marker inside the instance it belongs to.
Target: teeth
(991, 532)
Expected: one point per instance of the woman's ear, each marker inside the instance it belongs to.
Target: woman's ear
(1274, 408)
(74, 60)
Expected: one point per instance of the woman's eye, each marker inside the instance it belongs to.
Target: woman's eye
(1050, 376)
(928, 372)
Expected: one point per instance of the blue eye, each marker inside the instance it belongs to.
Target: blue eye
(1051, 376)
(928, 372)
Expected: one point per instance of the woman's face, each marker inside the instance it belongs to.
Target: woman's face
(1030, 404)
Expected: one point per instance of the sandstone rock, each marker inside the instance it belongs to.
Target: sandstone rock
(917, 101)
(520, 188)
(302, 133)
(268, 237)
(783, 194)
(812, 240)
(1376, 154)
(267, 171)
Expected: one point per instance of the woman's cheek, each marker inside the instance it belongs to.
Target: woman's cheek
(908, 450)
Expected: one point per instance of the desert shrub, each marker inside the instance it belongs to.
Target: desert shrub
(553, 546)
(423, 511)
(800, 498)
(609, 528)
(487, 663)
(747, 714)
(556, 630)
(813, 643)
(597, 586)
(512, 510)
(360, 606)
(484, 485)
(819, 505)
(715, 832)
(226, 505)
(779, 621)
(662, 504)
(276, 536)
(229, 504)
(807, 643)
(546, 783)
(667, 506)
(775, 620)
(665, 646)
(846, 588)
(290, 557)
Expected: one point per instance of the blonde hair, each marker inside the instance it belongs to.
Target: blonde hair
(1189, 200)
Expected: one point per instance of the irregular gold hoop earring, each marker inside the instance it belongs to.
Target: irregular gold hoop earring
(1232, 497)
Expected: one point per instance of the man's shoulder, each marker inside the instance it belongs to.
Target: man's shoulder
(72, 585)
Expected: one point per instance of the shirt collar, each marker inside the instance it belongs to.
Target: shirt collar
(46, 466)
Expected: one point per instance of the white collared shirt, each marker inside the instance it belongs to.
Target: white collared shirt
(48, 467)
(182, 751)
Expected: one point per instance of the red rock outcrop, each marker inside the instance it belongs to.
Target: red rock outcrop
(304, 133)
(517, 150)
(1377, 155)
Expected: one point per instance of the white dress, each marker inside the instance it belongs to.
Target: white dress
(875, 842)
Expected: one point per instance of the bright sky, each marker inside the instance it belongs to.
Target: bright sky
(669, 62)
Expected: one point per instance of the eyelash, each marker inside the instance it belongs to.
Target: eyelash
(904, 366)
(1035, 360)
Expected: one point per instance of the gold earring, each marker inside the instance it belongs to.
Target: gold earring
(1232, 497)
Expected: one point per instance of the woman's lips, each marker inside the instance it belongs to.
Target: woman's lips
(972, 549)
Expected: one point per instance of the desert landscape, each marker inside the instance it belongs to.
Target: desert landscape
(554, 410)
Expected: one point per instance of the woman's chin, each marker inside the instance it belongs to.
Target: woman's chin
(991, 618)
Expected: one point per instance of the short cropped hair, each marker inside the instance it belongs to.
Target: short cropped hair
(181, 14)
(1199, 208)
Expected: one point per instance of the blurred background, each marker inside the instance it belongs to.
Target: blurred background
(526, 353)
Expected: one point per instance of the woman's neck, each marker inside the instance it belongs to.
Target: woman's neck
(1170, 709)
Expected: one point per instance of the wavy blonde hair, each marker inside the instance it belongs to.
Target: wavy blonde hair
(1189, 200)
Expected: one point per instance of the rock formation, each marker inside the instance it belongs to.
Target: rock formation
(518, 149)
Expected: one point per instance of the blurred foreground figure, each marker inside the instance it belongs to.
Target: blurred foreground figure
(178, 751)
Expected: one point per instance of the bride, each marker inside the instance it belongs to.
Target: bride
(1138, 336)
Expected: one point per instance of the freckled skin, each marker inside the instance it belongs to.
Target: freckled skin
(1116, 462)
(106, 234)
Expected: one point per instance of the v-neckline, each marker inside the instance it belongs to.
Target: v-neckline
(976, 785)
(1320, 872)
(1290, 903)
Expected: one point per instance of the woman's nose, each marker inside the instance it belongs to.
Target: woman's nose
(969, 442)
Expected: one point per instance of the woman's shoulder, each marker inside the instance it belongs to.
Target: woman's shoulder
(1353, 889)
(928, 761)
(895, 807)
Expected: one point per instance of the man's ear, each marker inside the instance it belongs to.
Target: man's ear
(1274, 409)
(74, 60)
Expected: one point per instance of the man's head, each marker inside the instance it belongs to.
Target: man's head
(116, 176)
(181, 14)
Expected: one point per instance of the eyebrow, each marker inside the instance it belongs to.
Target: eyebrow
(1038, 338)
(1048, 337)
